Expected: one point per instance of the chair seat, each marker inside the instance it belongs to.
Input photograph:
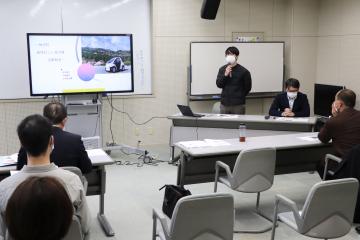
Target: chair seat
(289, 219)
(160, 232)
(225, 181)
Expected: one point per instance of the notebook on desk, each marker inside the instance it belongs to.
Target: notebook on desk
(186, 111)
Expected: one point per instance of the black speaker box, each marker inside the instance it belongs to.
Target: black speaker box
(209, 9)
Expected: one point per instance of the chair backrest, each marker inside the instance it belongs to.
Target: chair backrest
(254, 170)
(74, 232)
(216, 108)
(203, 217)
(329, 208)
(78, 172)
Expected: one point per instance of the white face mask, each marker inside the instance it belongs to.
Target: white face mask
(230, 59)
(292, 95)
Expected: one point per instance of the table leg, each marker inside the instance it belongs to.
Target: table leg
(181, 170)
(172, 154)
(173, 158)
(101, 215)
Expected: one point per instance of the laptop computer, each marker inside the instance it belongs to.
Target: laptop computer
(186, 111)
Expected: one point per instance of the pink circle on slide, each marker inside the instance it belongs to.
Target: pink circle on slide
(86, 72)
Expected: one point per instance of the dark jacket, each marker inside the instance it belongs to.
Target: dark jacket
(68, 150)
(234, 88)
(343, 130)
(301, 106)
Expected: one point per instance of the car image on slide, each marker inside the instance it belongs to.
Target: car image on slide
(101, 70)
(115, 64)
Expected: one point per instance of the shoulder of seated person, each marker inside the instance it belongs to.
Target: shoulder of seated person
(282, 94)
(70, 134)
(302, 94)
(70, 175)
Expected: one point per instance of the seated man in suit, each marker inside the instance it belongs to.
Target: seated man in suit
(291, 103)
(35, 134)
(68, 149)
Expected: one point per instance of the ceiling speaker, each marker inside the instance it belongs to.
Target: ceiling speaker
(209, 9)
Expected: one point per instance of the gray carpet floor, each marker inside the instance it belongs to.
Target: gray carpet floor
(132, 192)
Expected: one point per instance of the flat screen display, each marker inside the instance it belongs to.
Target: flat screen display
(324, 97)
(80, 63)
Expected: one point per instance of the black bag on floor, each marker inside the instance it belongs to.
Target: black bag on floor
(172, 195)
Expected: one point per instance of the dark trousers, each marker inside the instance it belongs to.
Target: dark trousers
(236, 109)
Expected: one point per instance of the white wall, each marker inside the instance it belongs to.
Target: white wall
(175, 24)
(338, 56)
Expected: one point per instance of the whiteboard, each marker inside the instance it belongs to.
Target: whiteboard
(18, 17)
(264, 60)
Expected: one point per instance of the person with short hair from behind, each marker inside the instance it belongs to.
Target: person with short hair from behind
(291, 103)
(35, 134)
(39, 209)
(68, 149)
(235, 82)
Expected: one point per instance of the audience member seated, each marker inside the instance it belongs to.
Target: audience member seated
(343, 128)
(39, 209)
(291, 103)
(68, 149)
(36, 138)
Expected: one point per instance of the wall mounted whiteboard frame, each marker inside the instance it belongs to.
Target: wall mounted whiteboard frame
(215, 95)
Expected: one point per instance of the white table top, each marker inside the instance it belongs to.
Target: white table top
(277, 141)
(247, 118)
(98, 157)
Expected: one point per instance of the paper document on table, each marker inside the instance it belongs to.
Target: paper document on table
(13, 172)
(95, 152)
(8, 160)
(222, 116)
(289, 119)
(216, 142)
(205, 143)
(309, 138)
(229, 116)
(194, 144)
(300, 119)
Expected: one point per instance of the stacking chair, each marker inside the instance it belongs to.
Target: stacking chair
(253, 173)
(327, 213)
(78, 172)
(197, 217)
(327, 172)
(345, 167)
(74, 232)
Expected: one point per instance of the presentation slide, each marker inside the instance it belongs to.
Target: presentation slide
(65, 64)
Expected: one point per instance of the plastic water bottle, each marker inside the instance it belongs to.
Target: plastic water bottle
(242, 132)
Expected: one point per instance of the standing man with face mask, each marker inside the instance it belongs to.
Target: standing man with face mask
(235, 81)
(291, 103)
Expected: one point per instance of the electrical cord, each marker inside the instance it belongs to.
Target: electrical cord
(111, 117)
(96, 124)
(128, 115)
(147, 160)
(197, 127)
